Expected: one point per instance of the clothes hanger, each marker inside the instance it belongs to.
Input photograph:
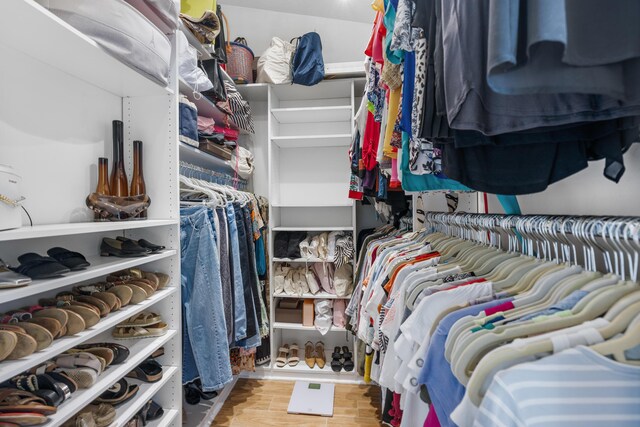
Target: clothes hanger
(616, 347)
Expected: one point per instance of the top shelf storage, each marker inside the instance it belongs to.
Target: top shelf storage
(312, 114)
(326, 89)
(49, 39)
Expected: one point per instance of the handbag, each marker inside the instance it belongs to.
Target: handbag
(220, 50)
(205, 29)
(274, 66)
(308, 65)
(218, 93)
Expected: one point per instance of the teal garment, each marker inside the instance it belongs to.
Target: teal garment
(389, 21)
(430, 182)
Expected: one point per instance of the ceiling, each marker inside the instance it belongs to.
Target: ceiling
(348, 10)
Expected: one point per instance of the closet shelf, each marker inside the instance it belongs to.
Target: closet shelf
(319, 295)
(50, 40)
(254, 91)
(167, 419)
(139, 351)
(198, 157)
(146, 392)
(52, 230)
(312, 141)
(312, 259)
(300, 327)
(303, 228)
(302, 367)
(203, 53)
(158, 20)
(10, 368)
(205, 107)
(341, 113)
(347, 204)
(100, 266)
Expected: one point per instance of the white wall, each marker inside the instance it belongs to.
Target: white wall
(342, 41)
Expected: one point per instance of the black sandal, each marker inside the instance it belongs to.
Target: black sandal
(152, 247)
(39, 267)
(151, 411)
(149, 371)
(348, 359)
(336, 360)
(73, 260)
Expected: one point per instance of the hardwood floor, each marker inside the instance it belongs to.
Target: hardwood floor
(264, 403)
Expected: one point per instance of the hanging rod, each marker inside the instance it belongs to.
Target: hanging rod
(228, 179)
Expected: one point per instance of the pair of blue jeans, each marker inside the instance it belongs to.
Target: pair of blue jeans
(205, 352)
(240, 309)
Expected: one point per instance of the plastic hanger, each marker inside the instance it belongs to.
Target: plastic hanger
(616, 347)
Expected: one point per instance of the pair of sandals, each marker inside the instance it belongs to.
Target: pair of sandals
(123, 247)
(21, 407)
(119, 393)
(100, 415)
(342, 359)
(193, 392)
(143, 325)
(45, 391)
(149, 371)
(314, 355)
(59, 262)
(288, 355)
(151, 411)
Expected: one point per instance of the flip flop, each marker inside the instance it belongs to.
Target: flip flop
(163, 279)
(14, 400)
(42, 335)
(123, 292)
(22, 418)
(52, 325)
(89, 316)
(74, 261)
(8, 341)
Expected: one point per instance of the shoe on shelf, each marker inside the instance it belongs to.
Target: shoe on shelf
(320, 356)
(39, 267)
(294, 359)
(348, 359)
(336, 360)
(151, 247)
(283, 356)
(118, 248)
(10, 279)
(309, 355)
(74, 261)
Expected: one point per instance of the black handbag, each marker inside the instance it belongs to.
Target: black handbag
(220, 51)
(217, 93)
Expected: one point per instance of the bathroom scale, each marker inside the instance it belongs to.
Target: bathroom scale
(312, 398)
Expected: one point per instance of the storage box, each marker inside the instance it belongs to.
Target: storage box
(212, 148)
(10, 196)
(289, 315)
(307, 312)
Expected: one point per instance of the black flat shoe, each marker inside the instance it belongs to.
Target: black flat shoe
(336, 360)
(39, 267)
(152, 247)
(127, 249)
(73, 260)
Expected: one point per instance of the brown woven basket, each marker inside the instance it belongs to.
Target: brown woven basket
(240, 62)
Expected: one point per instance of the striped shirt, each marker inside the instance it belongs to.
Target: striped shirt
(576, 387)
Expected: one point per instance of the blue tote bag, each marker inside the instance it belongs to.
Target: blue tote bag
(308, 65)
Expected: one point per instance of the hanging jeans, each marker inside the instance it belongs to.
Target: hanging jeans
(250, 303)
(205, 352)
(240, 310)
(225, 275)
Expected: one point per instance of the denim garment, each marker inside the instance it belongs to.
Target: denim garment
(205, 349)
(188, 124)
(252, 323)
(261, 259)
(253, 272)
(225, 275)
(240, 310)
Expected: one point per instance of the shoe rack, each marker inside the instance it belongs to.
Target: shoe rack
(59, 92)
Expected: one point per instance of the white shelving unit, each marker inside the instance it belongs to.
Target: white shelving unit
(75, 89)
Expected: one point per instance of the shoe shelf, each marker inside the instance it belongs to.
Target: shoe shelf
(146, 392)
(312, 259)
(340, 113)
(50, 40)
(52, 230)
(300, 327)
(302, 366)
(100, 266)
(339, 140)
(319, 295)
(139, 351)
(348, 228)
(10, 368)
(166, 420)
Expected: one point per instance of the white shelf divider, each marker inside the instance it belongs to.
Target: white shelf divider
(53, 230)
(145, 393)
(310, 141)
(10, 368)
(340, 113)
(319, 295)
(51, 39)
(139, 351)
(303, 228)
(300, 327)
(100, 266)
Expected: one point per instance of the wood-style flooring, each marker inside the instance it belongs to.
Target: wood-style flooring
(264, 403)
